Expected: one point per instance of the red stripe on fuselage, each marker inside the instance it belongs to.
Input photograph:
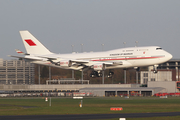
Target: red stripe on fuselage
(30, 42)
(136, 58)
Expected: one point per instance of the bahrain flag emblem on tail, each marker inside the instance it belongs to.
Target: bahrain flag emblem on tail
(30, 42)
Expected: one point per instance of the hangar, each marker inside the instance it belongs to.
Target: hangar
(138, 91)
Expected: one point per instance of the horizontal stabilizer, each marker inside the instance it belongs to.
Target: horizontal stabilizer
(20, 52)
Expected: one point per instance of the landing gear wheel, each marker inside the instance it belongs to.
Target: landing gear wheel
(99, 74)
(110, 74)
(155, 69)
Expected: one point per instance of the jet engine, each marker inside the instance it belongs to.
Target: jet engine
(66, 63)
(99, 67)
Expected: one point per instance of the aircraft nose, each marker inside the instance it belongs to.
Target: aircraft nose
(169, 56)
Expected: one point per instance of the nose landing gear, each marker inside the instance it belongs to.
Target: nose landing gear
(155, 69)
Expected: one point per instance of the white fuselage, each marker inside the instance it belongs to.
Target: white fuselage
(129, 57)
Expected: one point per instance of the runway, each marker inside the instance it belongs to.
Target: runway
(88, 116)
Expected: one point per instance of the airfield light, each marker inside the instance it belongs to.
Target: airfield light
(80, 104)
(116, 108)
(72, 48)
(136, 43)
(124, 44)
(82, 47)
(102, 47)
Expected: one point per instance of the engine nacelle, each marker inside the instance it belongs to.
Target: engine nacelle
(66, 63)
(118, 63)
(100, 66)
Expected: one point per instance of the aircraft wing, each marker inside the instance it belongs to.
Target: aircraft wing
(97, 65)
(49, 58)
(89, 62)
(123, 63)
(27, 58)
(80, 61)
(76, 64)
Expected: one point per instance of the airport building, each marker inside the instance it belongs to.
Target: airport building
(162, 75)
(16, 72)
(168, 71)
(168, 76)
(165, 81)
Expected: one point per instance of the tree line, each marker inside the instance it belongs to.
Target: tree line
(57, 73)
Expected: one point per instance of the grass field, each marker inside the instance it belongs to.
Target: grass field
(150, 118)
(38, 106)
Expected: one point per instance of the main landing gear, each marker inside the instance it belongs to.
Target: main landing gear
(95, 74)
(110, 74)
(99, 74)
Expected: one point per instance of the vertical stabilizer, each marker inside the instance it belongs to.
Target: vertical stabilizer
(32, 45)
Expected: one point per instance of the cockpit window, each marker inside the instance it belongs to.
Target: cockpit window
(158, 48)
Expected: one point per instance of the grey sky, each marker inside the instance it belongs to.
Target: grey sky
(58, 24)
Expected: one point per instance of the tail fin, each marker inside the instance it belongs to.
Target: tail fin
(32, 45)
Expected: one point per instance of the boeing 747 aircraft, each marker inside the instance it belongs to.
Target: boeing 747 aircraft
(132, 57)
